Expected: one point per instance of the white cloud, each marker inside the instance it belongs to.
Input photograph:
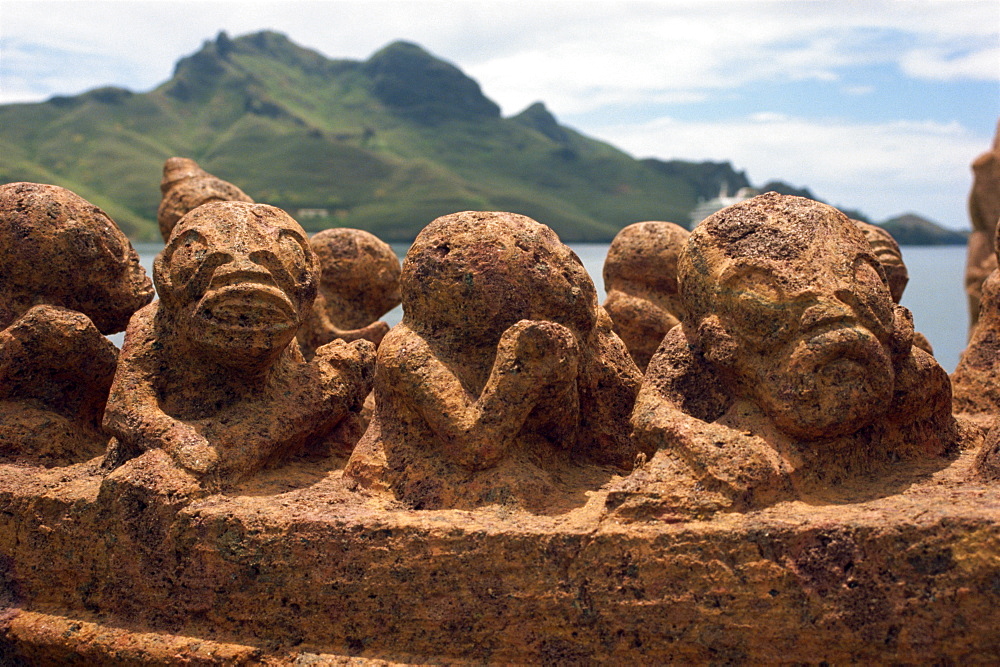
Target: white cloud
(943, 65)
(671, 51)
(884, 169)
(578, 55)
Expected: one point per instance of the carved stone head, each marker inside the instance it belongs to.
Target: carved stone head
(642, 259)
(359, 275)
(785, 297)
(471, 275)
(236, 279)
(59, 249)
(640, 276)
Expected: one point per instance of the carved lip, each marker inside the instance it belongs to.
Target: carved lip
(248, 306)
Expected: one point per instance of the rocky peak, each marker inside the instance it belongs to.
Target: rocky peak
(414, 83)
(540, 119)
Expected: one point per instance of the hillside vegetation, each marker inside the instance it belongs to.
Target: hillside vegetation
(386, 145)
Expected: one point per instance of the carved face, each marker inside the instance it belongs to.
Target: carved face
(807, 317)
(238, 279)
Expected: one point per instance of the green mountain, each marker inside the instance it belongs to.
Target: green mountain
(387, 145)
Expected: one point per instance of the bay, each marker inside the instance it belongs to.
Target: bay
(935, 293)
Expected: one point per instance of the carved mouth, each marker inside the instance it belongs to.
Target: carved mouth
(248, 306)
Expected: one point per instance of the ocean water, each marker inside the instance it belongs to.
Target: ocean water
(935, 293)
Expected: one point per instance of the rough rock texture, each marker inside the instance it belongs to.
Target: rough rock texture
(976, 380)
(359, 283)
(185, 187)
(984, 212)
(67, 276)
(504, 382)
(210, 374)
(640, 277)
(891, 258)
(792, 371)
(889, 255)
(294, 566)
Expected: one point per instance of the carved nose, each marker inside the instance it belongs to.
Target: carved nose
(241, 261)
(241, 268)
(825, 311)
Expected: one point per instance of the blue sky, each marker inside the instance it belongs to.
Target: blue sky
(873, 104)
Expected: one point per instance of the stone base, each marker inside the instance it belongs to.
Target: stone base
(137, 569)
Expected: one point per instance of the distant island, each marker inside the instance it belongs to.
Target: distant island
(385, 145)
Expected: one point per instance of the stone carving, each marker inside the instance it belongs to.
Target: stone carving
(185, 187)
(976, 380)
(640, 276)
(889, 255)
(502, 378)
(68, 275)
(984, 211)
(792, 371)
(208, 373)
(891, 258)
(359, 283)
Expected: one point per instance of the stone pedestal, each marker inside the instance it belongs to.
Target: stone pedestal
(295, 565)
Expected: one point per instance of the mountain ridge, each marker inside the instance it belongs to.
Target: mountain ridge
(386, 144)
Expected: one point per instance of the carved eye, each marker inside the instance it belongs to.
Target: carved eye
(872, 292)
(755, 305)
(294, 254)
(188, 252)
(866, 275)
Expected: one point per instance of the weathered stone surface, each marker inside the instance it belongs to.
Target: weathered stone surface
(976, 380)
(984, 212)
(68, 275)
(889, 255)
(884, 555)
(210, 374)
(359, 283)
(185, 187)
(504, 382)
(294, 564)
(792, 371)
(891, 258)
(640, 277)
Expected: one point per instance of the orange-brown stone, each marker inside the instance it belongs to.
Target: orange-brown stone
(210, 373)
(185, 187)
(294, 568)
(504, 382)
(976, 380)
(359, 283)
(984, 212)
(640, 277)
(793, 370)
(68, 275)
(891, 258)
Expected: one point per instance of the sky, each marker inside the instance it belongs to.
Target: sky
(874, 105)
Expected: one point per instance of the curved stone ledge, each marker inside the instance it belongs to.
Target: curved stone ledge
(298, 565)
